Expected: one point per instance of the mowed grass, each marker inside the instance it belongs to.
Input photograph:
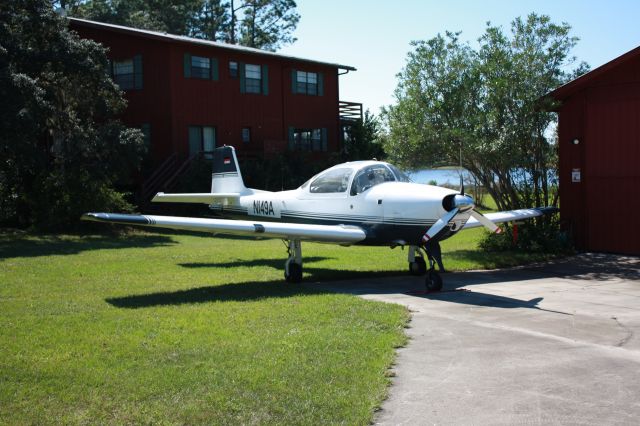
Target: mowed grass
(187, 329)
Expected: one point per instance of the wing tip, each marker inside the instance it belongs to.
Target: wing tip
(92, 217)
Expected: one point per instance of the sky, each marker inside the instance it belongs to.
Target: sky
(373, 36)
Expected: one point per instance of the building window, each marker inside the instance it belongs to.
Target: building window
(307, 83)
(200, 67)
(233, 69)
(308, 140)
(253, 78)
(202, 139)
(246, 134)
(123, 73)
(127, 73)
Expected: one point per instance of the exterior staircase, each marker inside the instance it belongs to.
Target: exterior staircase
(165, 177)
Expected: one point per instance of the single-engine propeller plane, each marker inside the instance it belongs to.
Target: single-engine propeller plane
(354, 203)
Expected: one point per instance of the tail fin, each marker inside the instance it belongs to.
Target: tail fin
(226, 175)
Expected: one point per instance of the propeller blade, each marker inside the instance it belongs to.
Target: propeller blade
(461, 184)
(439, 225)
(486, 222)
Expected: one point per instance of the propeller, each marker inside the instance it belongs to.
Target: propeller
(439, 225)
(486, 222)
(454, 204)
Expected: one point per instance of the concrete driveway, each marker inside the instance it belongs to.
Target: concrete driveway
(549, 344)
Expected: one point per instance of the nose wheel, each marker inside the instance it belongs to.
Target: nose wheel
(433, 281)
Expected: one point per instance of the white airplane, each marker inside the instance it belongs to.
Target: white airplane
(361, 202)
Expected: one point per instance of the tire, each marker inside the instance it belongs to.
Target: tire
(433, 281)
(295, 273)
(418, 266)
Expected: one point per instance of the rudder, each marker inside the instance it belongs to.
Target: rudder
(226, 176)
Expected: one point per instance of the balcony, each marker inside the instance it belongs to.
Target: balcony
(349, 111)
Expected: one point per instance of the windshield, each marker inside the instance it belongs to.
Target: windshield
(332, 181)
(370, 177)
(401, 176)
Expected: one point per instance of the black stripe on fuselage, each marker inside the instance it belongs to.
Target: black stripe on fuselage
(379, 232)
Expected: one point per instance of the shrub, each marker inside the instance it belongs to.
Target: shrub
(541, 235)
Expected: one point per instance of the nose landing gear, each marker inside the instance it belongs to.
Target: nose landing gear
(418, 265)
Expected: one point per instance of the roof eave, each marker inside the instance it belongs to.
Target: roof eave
(172, 38)
(577, 84)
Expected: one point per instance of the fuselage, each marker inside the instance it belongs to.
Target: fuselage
(369, 194)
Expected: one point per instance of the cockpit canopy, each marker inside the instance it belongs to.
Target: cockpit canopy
(338, 178)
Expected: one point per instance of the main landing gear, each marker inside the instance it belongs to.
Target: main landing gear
(293, 265)
(418, 266)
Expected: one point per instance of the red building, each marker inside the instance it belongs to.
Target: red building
(599, 149)
(190, 95)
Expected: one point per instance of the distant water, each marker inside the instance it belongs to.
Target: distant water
(441, 176)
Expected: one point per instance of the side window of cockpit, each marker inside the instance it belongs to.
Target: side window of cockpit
(370, 177)
(333, 181)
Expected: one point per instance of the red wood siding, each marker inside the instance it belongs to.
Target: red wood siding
(605, 116)
(171, 103)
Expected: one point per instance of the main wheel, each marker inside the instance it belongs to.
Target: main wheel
(433, 281)
(418, 266)
(295, 273)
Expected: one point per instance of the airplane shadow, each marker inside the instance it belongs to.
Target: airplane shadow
(476, 298)
(272, 263)
(323, 281)
(239, 292)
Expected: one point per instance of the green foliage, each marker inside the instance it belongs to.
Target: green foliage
(362, 140)
(486, 104)
(268, 24)
(542, 237)
(263, 24)
(61, 149)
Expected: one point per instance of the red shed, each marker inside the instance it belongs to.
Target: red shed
(189, 95)
(599, 149)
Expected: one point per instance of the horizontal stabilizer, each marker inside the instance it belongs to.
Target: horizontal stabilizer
(205, 198)
(339, 234)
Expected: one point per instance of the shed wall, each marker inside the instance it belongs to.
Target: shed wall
(605, 118)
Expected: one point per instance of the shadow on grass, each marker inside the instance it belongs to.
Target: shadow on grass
(46, 245)
(493, 260)
(585, 266)
(245, 291)
(222, 293)
(272, 263)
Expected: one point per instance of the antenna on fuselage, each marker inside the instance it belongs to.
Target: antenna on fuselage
(460, 171)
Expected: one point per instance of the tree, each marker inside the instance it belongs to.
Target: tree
(61, 149)
(263, 24)
(486, 105)
(362, 140)
(267, 24)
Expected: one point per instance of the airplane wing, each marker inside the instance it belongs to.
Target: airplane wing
(510, 216)
(339, 234)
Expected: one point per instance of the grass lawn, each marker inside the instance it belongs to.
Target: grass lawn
(166, 328)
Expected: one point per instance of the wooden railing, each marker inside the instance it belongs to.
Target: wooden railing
(349, 111)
